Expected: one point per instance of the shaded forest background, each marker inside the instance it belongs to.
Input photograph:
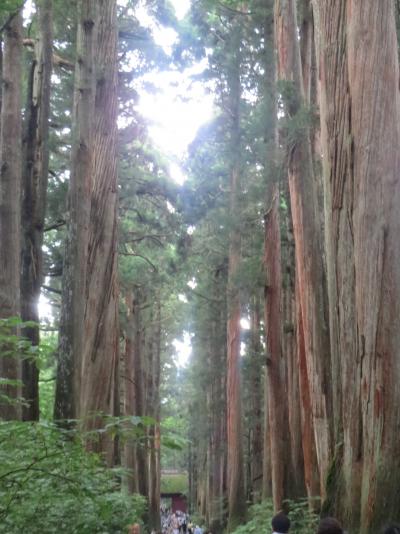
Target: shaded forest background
(278, 258)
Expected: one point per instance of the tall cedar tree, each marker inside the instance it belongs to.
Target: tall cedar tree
(360, 116)
(34, 194)
(311, 280)
(276, 375)
(10, 187)
(100, 347)
(72, 320)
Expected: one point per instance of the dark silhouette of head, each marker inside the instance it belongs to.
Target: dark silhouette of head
(280, 523)
(391, 529)
(329, 525)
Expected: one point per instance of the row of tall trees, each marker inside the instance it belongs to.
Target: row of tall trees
(66, 219)
(300, 115)
(287, 220)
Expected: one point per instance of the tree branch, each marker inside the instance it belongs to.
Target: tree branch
(142, 257)
(54, 226)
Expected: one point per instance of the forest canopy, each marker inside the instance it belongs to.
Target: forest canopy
(199, 264)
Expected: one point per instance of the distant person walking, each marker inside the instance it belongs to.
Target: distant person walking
(280, 523)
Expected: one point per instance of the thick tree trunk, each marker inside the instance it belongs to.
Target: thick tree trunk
(10, 187)
(360, 114)
(256, 401)
(72, 320)
(289, 348)
(277, 402)
(308, 240)
(311, 472)
(276, 364)
(236, 490)
(100, 349)
(34, 193)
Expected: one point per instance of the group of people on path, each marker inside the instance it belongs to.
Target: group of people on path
(329, 525)
(179, 523)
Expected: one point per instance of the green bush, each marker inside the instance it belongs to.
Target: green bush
(303, 521)
(49, 484)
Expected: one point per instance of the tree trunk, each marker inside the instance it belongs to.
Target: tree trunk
(256, 400)
(154, 461)
(267, 467)
(10, 187)
(308, 240)
(311, 472)
(360, 115)
(276, 365)
(236, 491)
(216, 409)
(128, 390)
(72, 320)
(100, 349)
(289, 348)
(277, 402)
(34, 183)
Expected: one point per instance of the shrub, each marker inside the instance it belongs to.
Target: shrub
(49, 483)
(303, 521)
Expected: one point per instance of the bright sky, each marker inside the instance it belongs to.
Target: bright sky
(181, 105)
(174, 114)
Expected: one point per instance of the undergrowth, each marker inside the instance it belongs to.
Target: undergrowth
(303, 521)
(49, 484)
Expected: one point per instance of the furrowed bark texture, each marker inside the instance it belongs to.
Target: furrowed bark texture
(277, 420)
(10, 187)
(34, 193)
(308, 239)
(297, 487)
(72, 320)
(100, 349)
(276, 365)
(311, 472)
(360, 110)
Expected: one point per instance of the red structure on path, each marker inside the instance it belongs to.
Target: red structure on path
(178, 501)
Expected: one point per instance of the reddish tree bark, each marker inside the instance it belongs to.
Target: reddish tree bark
(10, 187)
(235, 482)
(276, 365)
(308, 239)
(360, 111)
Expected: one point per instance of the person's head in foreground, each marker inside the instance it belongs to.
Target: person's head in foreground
(280, 523)
(391, 529)
(329, 525)
(134, 529)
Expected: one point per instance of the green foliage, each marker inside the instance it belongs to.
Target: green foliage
(174, 483)
(11, 5)
(49, 483)
(302, 520)
(260, 516)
